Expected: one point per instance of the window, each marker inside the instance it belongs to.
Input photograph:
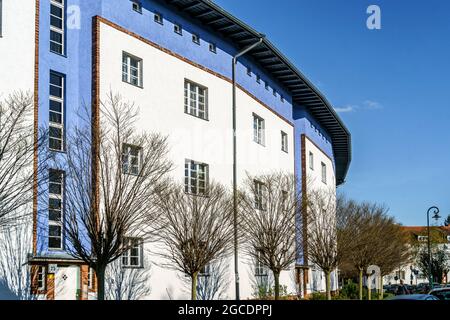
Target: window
(178, 29)
(258, 129)
(137, 6)
(213, 47)
(131, 70)
(274, 92)
(260, 268)
(56, 111)
(205, 271)
(258, 78)
(249, 71)
(324, 173)
(55, 208)
(196, 177)
(282, 98)
(132, 258)
(266, 84)
(90, 278)
(284, 141)
(260, 195)
(195, 38)
(422, 238)
(195, 100)
(57, 26)
(131, 159)
(311, 160)
(159, 18)
(41, 278)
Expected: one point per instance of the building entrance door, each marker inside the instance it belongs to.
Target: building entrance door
(66, 283)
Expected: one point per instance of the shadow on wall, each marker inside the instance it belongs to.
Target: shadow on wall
(6, 293)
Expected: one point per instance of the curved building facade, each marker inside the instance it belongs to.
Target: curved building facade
(159, 54)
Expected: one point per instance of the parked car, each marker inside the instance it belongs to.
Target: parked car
(414, 297)
(441, 293)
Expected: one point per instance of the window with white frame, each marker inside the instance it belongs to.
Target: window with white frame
(213, 47)
(196, 177)
(55, 208)
(196, 38)
(131, 159)
(324, 173)
(159, 18)
(178, 29)
(284, 141)
(56, 111)
(132, 70)
(260, 195)
(258, 129)
(195, 100)
(205, 271)
(284, 200)
(90, 278)
(422, 238)
(41, 278)
(137, 6)
(132, 258)
(260, 268)
(311, 160)
(57, 26)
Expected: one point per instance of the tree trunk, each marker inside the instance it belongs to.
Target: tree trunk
(276, 276)
(369, 288)
(194, 286)
(328, 284)
(360, 284)
(100, 271)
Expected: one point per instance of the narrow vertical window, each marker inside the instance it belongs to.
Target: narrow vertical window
(284, 141)
(311, 160)
(90, 278)
(132, 258)
(55, 208)
(131, 70)
(249, 71)
(213, 47)
(196, 177)
(56, 111)
(195, 100)
(258, 129)
(131, 159)
(324, 173)
(159, 18)
(41, 278)
(258, 78)
(178, 29)
(260, 195)
(57, 26)
(196, 38)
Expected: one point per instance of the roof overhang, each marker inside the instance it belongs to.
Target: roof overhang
(275, 63)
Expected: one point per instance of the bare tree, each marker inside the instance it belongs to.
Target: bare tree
(19, 143)
(127, 283)
(195, 230)
(15, 244)
(268, 208)
(322, 234)
(110, 183)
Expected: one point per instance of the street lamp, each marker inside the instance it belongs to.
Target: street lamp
(435, 211)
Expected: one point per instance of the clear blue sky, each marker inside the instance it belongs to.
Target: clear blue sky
(391, 86)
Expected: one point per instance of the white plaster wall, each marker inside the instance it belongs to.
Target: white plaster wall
(17, 46)
(161, 102)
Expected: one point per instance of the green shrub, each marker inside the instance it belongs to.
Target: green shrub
(349, 291)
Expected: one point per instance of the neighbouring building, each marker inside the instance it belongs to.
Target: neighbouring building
(411, 272)
(173, 58)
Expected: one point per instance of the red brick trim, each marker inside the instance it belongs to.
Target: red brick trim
(36, 124)
(199, 66)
